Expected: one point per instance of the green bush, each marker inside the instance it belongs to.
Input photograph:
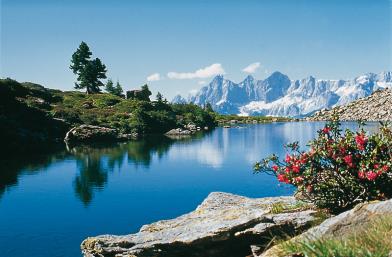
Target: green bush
(339, 170)
(104, 100)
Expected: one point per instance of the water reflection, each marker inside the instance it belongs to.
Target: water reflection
(93, 162)
(12, 168)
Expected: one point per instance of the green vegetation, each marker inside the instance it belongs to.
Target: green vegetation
(282, 207)
(226, 119)
(25, 121)
(89, 71)
(370, 240)
(30, 107)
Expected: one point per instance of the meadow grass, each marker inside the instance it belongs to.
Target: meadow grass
(371, 240)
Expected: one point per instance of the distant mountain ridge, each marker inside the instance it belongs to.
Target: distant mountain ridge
(277, 95)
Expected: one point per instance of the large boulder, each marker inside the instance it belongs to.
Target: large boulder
(341, 225)
(222, 225)
(91, 134)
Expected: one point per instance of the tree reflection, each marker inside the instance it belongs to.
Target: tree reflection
(95, 162)
(141, 152)
(15, 166)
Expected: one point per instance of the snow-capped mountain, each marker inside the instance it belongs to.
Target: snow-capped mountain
(178, 99)
(277, 95)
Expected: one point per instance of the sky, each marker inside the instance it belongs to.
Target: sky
(179, 46)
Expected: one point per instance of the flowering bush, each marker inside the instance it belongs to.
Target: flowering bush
(340, 169)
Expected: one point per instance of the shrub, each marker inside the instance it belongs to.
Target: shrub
(105, 100)
(339, 170)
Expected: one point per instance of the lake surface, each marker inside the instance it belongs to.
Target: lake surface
(50, 203)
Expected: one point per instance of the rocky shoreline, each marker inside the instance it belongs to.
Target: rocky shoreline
(231, 225)
(376, 107)
(222, 225)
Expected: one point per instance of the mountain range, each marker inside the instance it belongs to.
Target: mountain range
(277, 95)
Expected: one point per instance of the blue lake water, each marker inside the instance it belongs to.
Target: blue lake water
(50, 203)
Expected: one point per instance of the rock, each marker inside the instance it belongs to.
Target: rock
(92, 134)
(125, 137)
(222, 225)
(87, 105)
(342, 224)
(376, 107)
(179, 132)
(190, 126)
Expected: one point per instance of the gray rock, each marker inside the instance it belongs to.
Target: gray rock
(179, 132)
(376, 107)
(222, 225)
(91, 134)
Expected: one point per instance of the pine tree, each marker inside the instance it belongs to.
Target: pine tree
(118, 89)
(208, 108)
(159, 97)
(89, 72)
(110, 86)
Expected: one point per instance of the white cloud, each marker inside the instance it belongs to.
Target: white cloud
(209, 71)
(154, 77)
(251, 68)
(193, 92)
(201, 82)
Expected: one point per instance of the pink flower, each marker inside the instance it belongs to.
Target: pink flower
(295, 169)
(283, 178)
(348, 159)
(361, 174)
(275, 168)
(326, 130)
(361, 140)
(299, 179)
(371, 175)
(288, 158)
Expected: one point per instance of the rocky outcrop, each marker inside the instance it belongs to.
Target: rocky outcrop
(222, 225)
(341, 225)
(179, 132)
(376, 107)
(93, 134)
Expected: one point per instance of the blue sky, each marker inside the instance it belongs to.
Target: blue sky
(188, 42)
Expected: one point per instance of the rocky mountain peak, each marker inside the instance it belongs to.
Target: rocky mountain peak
(277, 95)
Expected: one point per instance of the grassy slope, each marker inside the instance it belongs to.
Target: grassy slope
(31, 115)
(371, 240)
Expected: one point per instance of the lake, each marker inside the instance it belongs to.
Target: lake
(50, 203)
